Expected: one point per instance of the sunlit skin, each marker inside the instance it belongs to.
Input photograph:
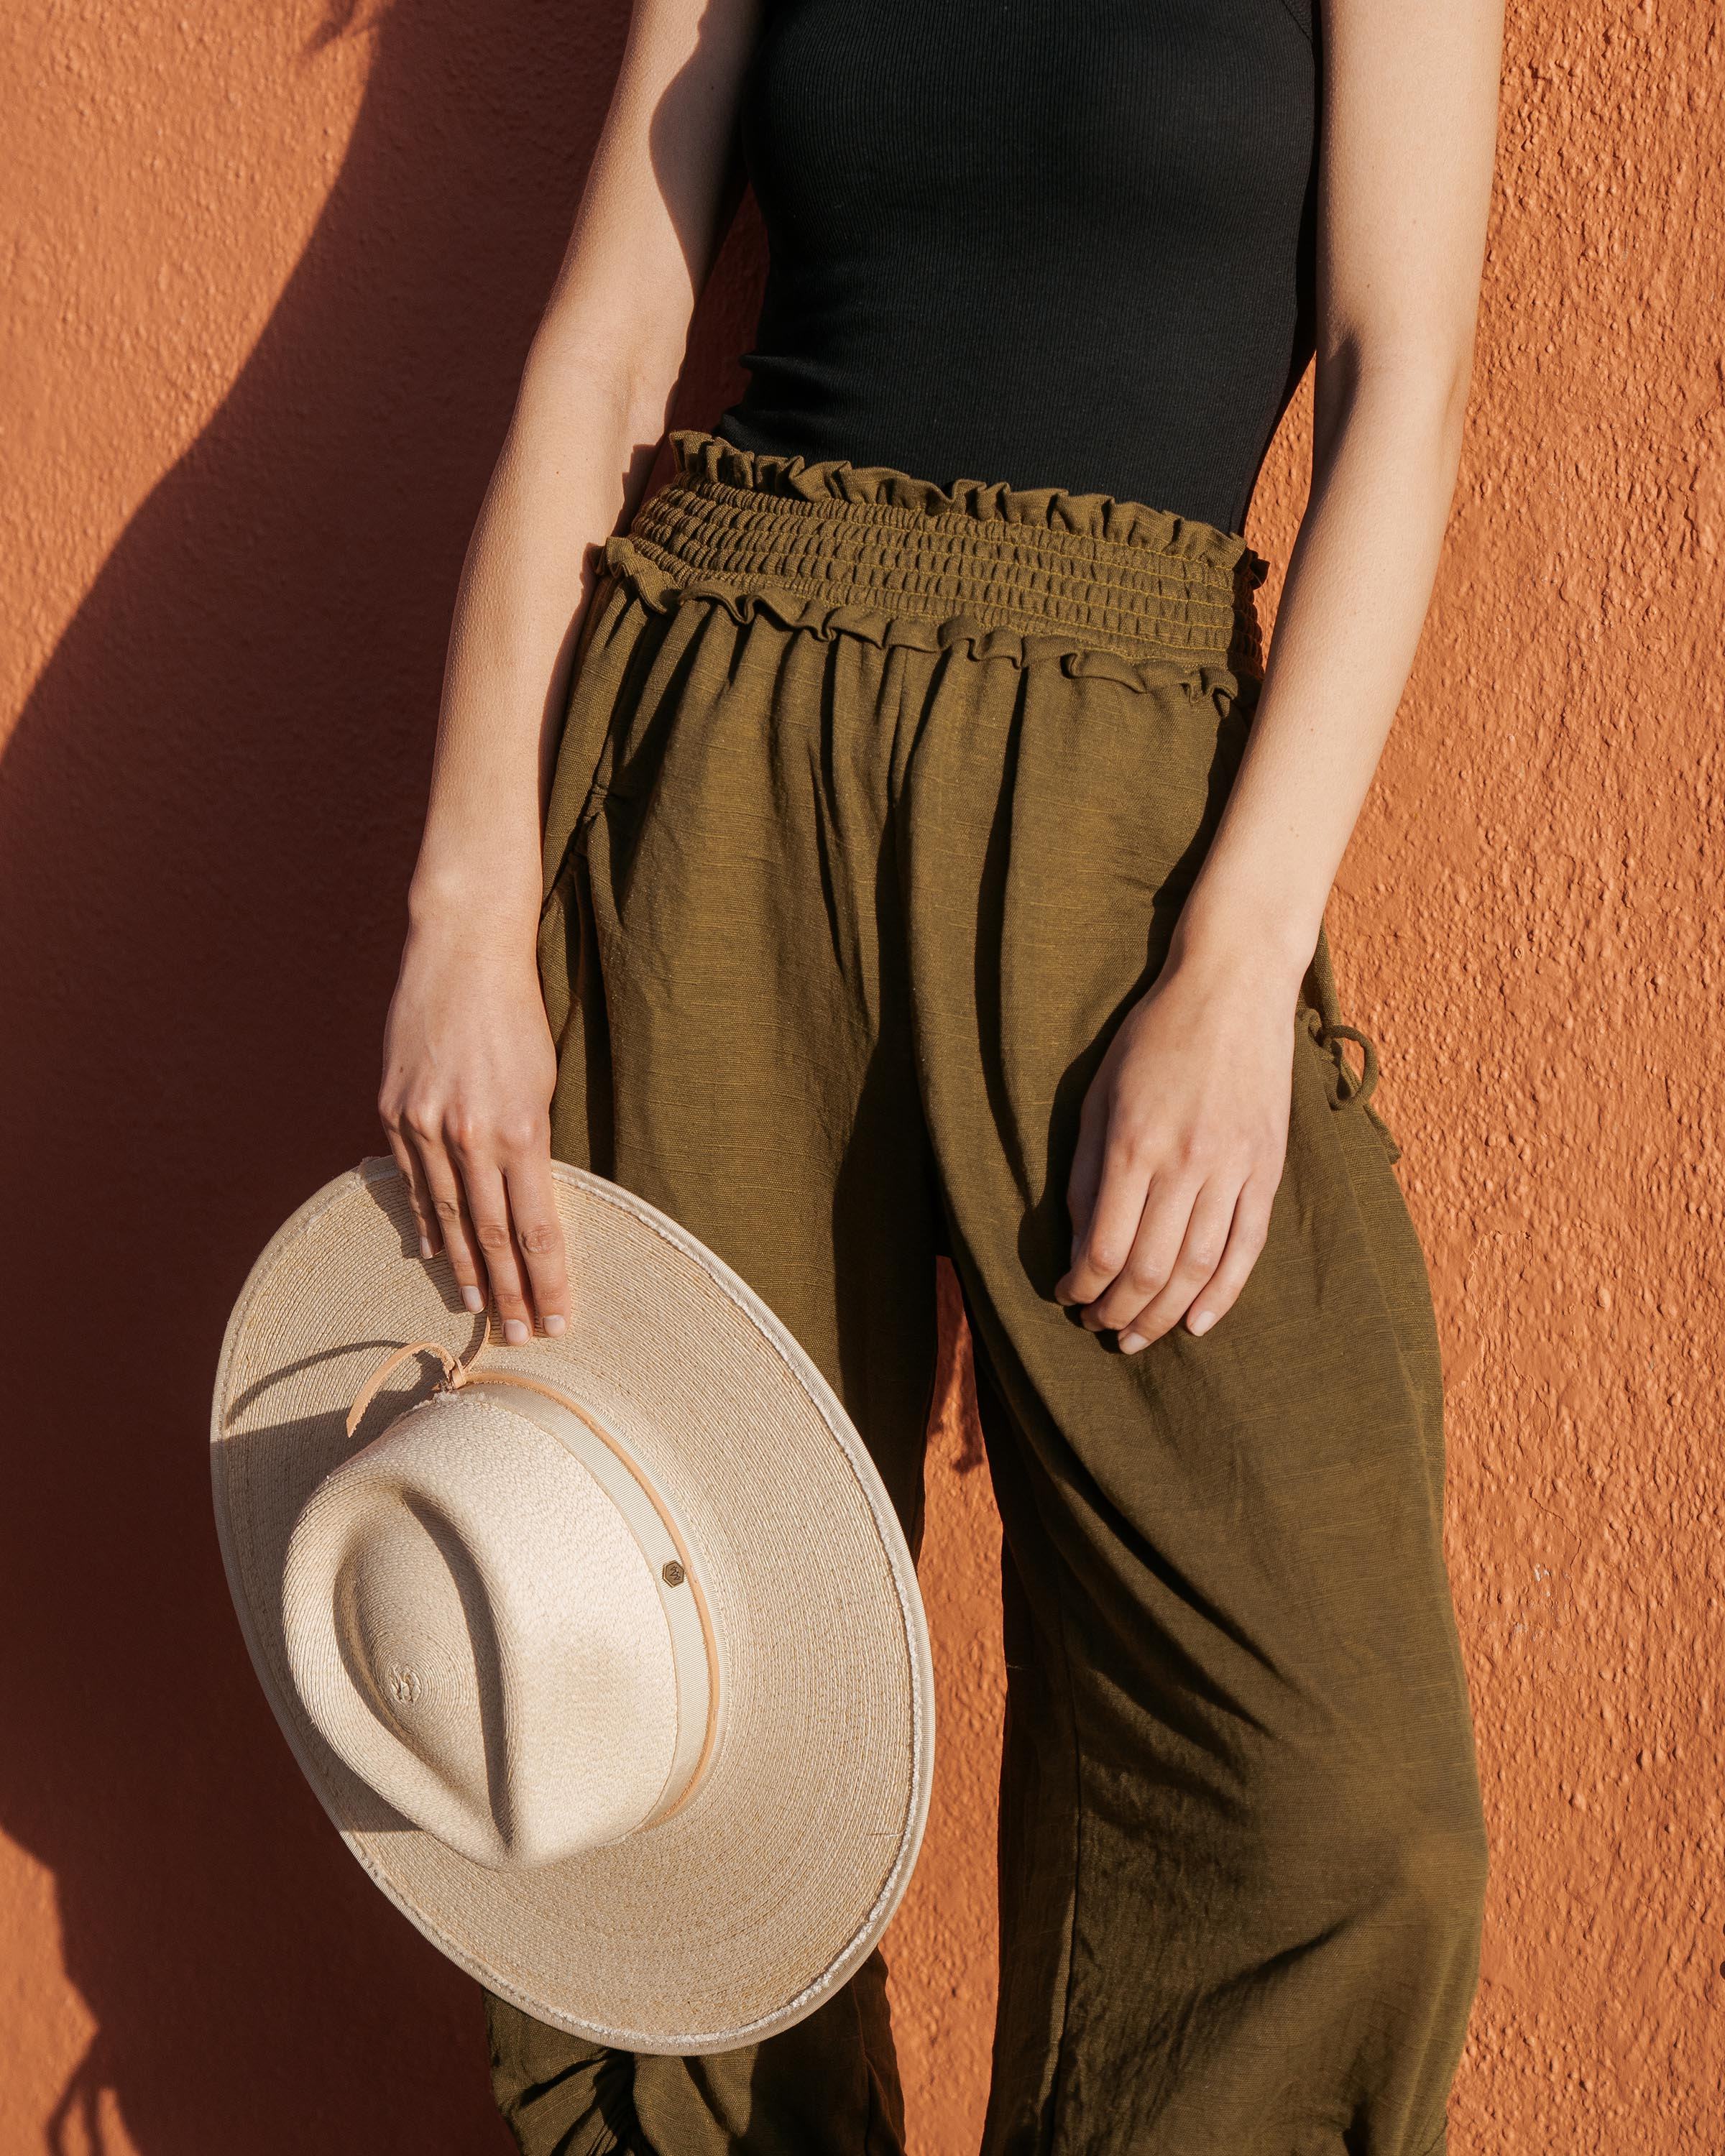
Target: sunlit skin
(1185, 1128)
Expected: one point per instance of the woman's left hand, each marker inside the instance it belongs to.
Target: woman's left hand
(1181, 1138)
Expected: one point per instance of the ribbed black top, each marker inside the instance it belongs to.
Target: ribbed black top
(1055, 242)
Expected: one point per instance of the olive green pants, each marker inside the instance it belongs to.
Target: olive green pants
(875, 810)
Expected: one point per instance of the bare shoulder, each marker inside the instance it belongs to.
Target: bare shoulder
(662, 184)
(714, 34)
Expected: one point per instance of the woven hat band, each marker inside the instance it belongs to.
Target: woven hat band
(672, 1556)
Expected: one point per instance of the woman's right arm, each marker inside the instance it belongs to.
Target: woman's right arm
(468, 1064)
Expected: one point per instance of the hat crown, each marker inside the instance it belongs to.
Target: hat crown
(476, 1630)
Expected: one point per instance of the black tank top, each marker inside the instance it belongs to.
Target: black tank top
(1056, 242)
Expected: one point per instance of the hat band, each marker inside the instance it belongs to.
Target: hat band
(664, 1540)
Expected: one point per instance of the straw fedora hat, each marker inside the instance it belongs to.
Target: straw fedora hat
(605, 1654)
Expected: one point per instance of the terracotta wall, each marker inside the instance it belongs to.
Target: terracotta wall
(270, 272)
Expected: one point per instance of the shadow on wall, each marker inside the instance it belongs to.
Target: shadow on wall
(208, 816)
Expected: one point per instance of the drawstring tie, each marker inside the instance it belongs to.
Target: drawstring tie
(1321, 1017)
(1330, 1036)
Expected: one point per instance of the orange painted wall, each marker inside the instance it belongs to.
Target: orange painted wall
(270, 273)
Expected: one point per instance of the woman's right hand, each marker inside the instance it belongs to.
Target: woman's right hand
(469, 1071)
(469, 1066)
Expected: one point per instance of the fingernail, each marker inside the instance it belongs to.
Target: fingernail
(425, 1249)
(1130, 1342)
(515, 1332)
(1201, 1321)
(554, 1324)
(474, 1300)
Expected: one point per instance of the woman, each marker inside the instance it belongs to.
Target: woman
(928, 866)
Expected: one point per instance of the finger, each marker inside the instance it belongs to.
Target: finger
(1081, 1186)
(1154, 1255)
(1245, 1245)
(1103, 1247)
(1200, 1252)
(418, 1192)
(449, 1206)
(488, 1206)
(539, 1232)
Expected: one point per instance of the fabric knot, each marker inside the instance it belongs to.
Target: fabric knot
(1330, 1034)
(458, 1370)
(1350, 1090)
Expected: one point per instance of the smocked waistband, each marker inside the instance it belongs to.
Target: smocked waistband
(1096, 571)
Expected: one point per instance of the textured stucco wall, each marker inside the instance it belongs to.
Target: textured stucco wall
(269, 276)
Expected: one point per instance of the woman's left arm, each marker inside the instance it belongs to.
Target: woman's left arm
(1184, 1129)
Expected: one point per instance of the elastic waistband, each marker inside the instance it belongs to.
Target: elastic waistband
(1088, 570)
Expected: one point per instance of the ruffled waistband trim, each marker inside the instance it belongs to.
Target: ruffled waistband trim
(707, 458)
(1033, 570)
(660, 591)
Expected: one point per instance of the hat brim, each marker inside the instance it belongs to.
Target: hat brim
(739, 1914)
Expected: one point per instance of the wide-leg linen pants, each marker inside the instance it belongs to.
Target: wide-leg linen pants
(876, 807)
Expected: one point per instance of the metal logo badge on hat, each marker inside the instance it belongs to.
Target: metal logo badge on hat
(605, 1654)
